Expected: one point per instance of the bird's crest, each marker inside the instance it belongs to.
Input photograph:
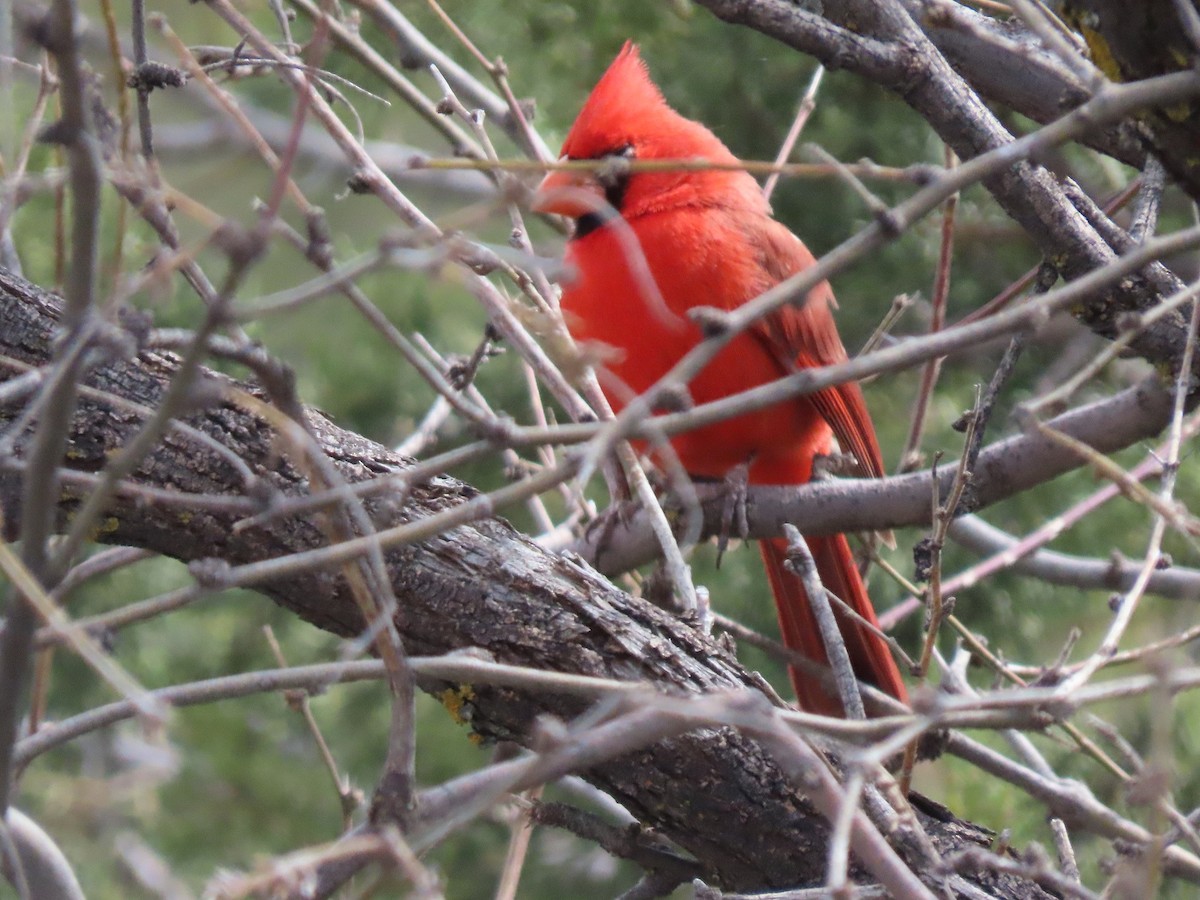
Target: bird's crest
(627, 110)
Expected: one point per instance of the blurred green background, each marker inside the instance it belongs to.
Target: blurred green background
(245, 781)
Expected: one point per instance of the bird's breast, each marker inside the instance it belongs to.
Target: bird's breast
(635, 284)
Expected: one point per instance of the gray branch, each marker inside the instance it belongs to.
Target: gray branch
(1003, 469)
(895, 53)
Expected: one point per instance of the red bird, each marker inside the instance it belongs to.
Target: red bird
(707, 238)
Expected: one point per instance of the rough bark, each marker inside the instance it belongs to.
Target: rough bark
(1131, 41)
(1008, 66)
(891, 49)
(715, 792)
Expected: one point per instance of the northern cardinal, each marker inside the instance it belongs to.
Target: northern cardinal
(706, 238)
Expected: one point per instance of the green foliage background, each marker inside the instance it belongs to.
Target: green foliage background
(245, 780)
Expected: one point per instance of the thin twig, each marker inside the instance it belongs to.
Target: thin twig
(805, 569)
(1129, 600)
(40, 487)
(808, 103)
(910, 456)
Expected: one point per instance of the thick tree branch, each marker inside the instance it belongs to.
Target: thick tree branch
(1032, 195)
(481, 585)
(1006, 64)
(1130, 41)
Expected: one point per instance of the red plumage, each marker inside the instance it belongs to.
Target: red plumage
(706, 238)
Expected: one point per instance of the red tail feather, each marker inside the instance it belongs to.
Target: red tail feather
(869, 655)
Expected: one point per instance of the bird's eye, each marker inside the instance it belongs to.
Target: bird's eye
(613, 176)
(614, 172)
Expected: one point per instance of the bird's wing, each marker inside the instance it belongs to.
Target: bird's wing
(805, 336)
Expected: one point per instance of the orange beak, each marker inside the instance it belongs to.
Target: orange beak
(570, 193)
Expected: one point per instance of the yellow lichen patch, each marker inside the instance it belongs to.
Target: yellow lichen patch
(455, 699)
(1179, 112)
(1102, 56)
(105, 526)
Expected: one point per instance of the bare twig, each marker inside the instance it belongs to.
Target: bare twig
(40, 488)
(808, 103)
(910, 456)
(835, 646)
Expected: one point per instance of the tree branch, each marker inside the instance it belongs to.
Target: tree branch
(1003, 469)
(481, 585)
(1029, 193)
